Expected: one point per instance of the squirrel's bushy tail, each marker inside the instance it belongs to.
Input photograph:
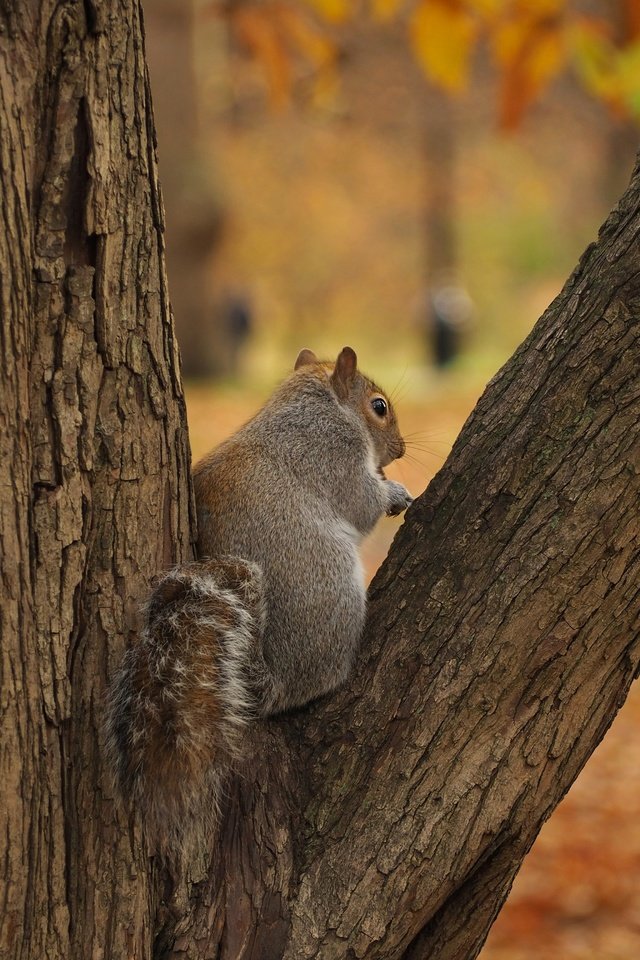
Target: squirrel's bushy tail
(177, 706)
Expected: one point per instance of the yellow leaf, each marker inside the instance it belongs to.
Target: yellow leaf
(487, 9)
(385, 10)
(306, 37)
(508, 40)
(541, 9)
(525, 27)
(443, 33)
(336, 11)
(326, 86)
(546, 57)
(594, 55)
(628, 63)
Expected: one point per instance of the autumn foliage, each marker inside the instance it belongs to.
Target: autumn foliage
(528, 43)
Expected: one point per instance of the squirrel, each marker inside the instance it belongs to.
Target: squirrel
(270, 617)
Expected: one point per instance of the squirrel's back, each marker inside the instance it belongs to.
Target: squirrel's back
(271, 616)
(274, 494)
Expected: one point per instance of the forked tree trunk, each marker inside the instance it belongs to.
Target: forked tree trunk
(387, 821)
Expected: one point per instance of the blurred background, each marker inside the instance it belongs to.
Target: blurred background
(415, 178)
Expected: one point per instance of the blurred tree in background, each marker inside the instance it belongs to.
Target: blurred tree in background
(193, 203)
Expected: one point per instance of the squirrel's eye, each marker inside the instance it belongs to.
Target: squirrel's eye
(379, 406)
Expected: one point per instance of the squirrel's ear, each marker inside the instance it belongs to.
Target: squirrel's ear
(305, 357)
(344, 372)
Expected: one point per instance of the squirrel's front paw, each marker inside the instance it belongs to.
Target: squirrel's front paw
(399, 498)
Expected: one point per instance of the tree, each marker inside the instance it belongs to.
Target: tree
(95, 460)
(386, 821)
(195, 211)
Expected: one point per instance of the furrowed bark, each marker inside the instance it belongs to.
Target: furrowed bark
(502, 639)
(94, 461)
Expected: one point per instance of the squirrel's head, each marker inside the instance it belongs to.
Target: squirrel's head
(371, 404)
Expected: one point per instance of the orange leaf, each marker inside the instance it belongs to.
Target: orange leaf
(632, 19)
(532, 51)
(257, 29)
(384, 10)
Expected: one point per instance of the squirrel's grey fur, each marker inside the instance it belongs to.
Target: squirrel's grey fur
(272, 615)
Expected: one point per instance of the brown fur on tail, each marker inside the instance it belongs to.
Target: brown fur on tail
(178, 704)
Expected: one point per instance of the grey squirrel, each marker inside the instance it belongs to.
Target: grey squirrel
(271, 616)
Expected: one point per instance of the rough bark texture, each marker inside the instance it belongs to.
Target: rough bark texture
(389, 820)
(94, 461)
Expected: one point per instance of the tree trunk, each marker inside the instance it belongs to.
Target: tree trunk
(441, 147)
(94, 461)
(389, 820)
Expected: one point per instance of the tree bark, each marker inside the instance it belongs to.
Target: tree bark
(94, 461)
(387, 821)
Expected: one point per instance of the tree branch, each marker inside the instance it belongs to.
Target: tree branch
(502, 631)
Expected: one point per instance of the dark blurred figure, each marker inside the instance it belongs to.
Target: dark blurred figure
(446, 313)
(236, 313)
